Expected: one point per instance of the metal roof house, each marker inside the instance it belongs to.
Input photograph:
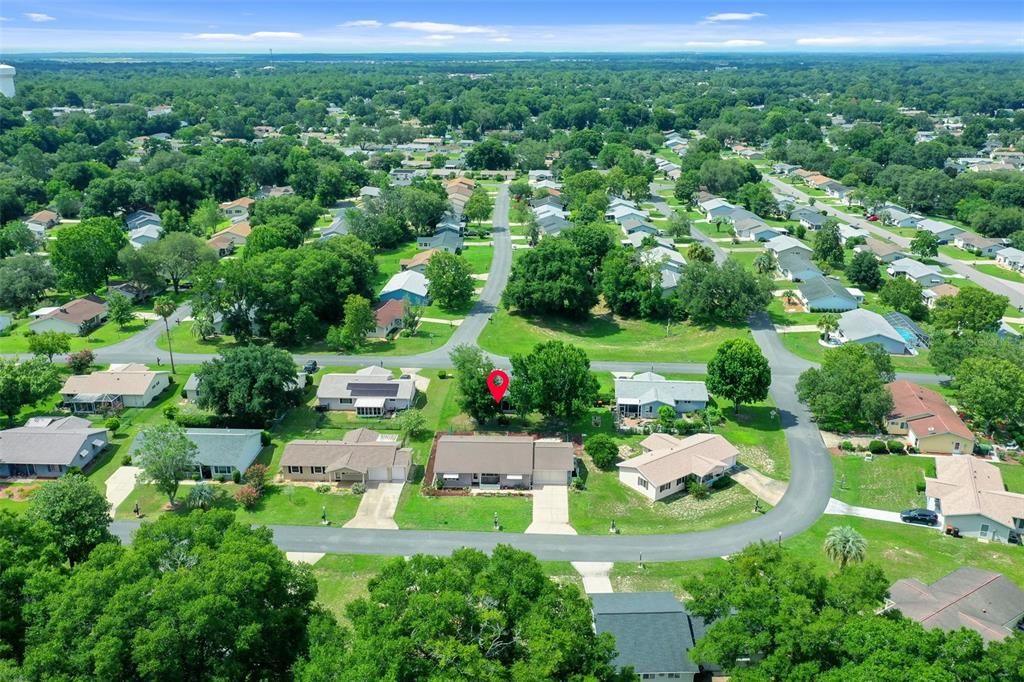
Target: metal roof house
(642, 395)
(864, 326)
(653, 633)
(409, 285)
(825, 294)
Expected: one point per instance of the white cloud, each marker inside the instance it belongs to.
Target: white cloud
(733, 16)
(5, 19)
(436, 28)
(243, 37)
(726, 43)
(39, 17)
(439, 37)
(362, 23)
(501, 39)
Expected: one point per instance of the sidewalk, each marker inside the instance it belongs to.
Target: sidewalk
(595, 576)
(842, 509)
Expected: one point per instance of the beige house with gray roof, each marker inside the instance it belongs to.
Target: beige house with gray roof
(113, 389)
(970, 494)
(361, 456)
(668, 464)
(495, 462)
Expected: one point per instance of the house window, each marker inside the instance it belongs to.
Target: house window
(679, 481)
(642, 482)
(1018, 524)
(223, 470)
(318, 470)
(984, 530)
(294, 470)
(663, 488)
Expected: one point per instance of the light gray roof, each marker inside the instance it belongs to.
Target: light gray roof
(818, 288)
(913, 268)
(355, 455)
(51, 440)
(407, 280)
(237, 448)
(650, 388)
(937, 227)
(192, 384)
(864, 324)
(797, 262)
(986, 602)
(784, 243)
(653, 632)
(1011, 254)
(362, 385)
(500, 455)
(445, 239)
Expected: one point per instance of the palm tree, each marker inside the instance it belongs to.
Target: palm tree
(845, 545)
(828, 323)
(764, 263)
(789, 295)
(164, 306)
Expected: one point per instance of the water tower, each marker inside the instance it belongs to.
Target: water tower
(7, 80)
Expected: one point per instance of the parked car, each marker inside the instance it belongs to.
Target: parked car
(310, 367)
(872, 218)
(925, 517)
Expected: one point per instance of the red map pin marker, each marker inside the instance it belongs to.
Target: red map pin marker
(497, 382)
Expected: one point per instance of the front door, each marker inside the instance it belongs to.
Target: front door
(205, 472)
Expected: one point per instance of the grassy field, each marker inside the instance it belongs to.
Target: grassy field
(953, 252)
(479, 258)
(343, 578)
(805, 345)
(1013, 477)
(777, 311)
(758, 435)
(887, 482)
(104, 335)
(1001, 273)
(606, 337)
(469, 513)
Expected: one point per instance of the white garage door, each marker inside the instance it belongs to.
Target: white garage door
(377, 474)
(398, 473)
(550, 476)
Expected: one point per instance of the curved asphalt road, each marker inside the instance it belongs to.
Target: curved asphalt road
(808, 493)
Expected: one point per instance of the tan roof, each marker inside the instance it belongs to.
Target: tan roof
(239, 229)
(361, 435)
(941, 290)
(77, 311)
(421, 258)
(244, 202)
(880, 248)
(968, 486)
(461, 180)
(220, 241)
(44, 216)
(484, 454)
(335, 455)
(129, 381)
(670, 458)
(925, 411)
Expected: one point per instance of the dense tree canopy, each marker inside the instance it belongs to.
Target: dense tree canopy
(249, 385)
(849, 388)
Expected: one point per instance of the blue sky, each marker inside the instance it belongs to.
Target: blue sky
(357, 26)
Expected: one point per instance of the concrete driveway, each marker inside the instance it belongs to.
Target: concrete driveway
(377, 507)
(120, 485)
(551, 511)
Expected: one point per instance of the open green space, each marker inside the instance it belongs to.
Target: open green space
(953, 252)
(806, 346)
(479, 257)
(388, 262)
(757, 432)
(463, 512)
(780, 316)
(104, 335)
(606, 337)
(889, 482)
(343, 578)
(1002, 273)
(1013, 477)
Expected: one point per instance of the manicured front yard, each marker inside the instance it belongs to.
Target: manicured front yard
(1013, 477)
(479, 257)
(887, 482)
(1001, 273)
(780, 316)
(468, 513)
(343, 578)
(606, 337)
(757, 433)
(806, 346)
(953, 252)
(105, 335)
(281, 505)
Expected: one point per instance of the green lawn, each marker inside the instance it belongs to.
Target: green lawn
(605, 499)
(667, 576)
(105, 335)
(959, 254)
(745, 258)
(1013, 477)
(805, 345)
(777, 311)
(281, 505)
(343, 578)
(388, 262)
(1001, 273)
(758, 435)
(469, 513)
(887, 482)
(479, 257)
(606, 337)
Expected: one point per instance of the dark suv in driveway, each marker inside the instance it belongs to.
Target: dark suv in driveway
(926, 517)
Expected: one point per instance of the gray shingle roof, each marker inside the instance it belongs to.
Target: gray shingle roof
(49, 440)
(652, 630)
(649, 387)
(862, 324)
(819, 288)
(219, 447)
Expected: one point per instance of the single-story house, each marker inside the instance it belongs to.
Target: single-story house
(848, 232)
(883, 251)
(975, 243)
(928, 422)
(970, 494)
(120, 386)
(369, 192)
(551, 225)
(930, 296)
(79, 316)
(786, 244)
(620, 213)
(797, 267)
(715, 207)
(239, 208)
(409, 285)
(370, 392)
(496, 462)
(389, 317)
(808, 217)
(536, 176)
(825, 294)
(653, 633)
(865, 326)
(944, 232)
(784, 168)
(900, 217)
(145, 235)
(337, 228)
(361, 456)
(753, 229)
(1011, 259)
(986, 602)
(418, 263)
(836, 190)
(191, 388)
(139, 219)
(925, 275)
(43, 220)
(642, 395)
(631, 225)
(663, 257)
(46, 447)
(668, 464)
(637, 239)
(549, 200)
(220, 452)
(445, 238)
(230, 238)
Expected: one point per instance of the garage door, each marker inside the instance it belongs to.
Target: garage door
(550, 476)
(398, 473)
(377, 474)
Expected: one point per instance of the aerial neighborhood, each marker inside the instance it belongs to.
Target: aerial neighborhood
(439, 365)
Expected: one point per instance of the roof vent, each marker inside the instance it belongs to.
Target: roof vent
(931, 429)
